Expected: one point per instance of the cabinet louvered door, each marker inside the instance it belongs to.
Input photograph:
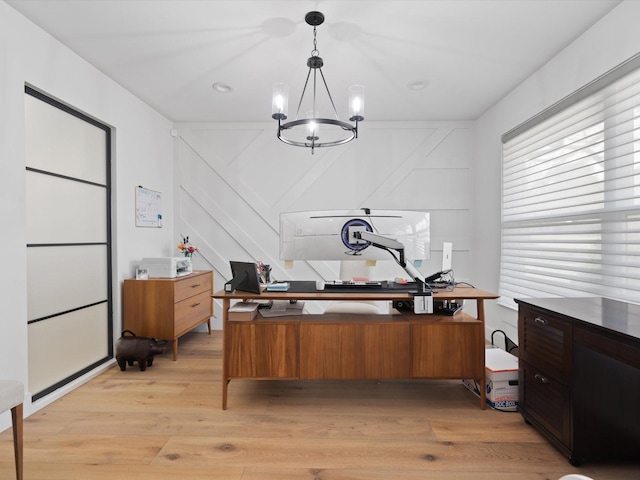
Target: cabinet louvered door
(545, 350)
(545, 340)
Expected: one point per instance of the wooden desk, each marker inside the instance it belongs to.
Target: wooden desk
(354, 346)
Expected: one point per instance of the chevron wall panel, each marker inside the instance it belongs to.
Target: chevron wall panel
(234, 180)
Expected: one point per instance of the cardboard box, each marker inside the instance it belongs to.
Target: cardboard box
(501, 380)
(243, 311)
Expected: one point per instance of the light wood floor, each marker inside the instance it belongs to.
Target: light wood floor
(166, 423)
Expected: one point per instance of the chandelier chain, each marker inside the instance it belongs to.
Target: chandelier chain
(315, 52)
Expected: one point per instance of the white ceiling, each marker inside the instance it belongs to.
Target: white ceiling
(471, 53)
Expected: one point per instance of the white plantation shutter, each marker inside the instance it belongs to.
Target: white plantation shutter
(571, 196)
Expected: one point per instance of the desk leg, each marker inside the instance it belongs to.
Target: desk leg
(483, 390)
(225, 351)
(175, 349)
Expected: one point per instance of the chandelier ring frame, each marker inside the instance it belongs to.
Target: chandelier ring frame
(353, 132)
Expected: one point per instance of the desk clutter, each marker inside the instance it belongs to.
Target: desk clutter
(283, 308)
(247, 310)
(243, 311)
(278, 287)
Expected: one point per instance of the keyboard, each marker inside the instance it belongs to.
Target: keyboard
(348, 284)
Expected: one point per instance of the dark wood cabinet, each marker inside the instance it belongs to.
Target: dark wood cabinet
(579, 375)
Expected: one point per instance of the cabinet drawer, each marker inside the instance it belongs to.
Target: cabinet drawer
(546, 400)
(192, 285)
(189, 311)
(545, 340)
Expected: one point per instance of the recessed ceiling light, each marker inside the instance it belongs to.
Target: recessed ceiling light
(222, 87)
(418, 85)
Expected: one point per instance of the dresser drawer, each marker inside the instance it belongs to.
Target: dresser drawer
(192, 285)
(545, 400)
(545, 340)
(189, 311)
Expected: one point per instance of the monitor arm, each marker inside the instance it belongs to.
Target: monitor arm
(386, 243)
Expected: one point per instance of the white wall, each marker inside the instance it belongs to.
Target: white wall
(608, 43)
(143, 155)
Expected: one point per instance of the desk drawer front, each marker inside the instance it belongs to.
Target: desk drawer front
(546, 340)
(193, 285)
(447, 350)
(191, 310)
(546, 400)
(258, 350)
(355, 351)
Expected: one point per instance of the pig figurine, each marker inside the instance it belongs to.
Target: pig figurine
(130, 348)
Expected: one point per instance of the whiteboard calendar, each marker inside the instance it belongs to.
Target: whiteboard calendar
(148, 208)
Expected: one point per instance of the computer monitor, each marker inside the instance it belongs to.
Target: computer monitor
(245, 277)
(331, 234)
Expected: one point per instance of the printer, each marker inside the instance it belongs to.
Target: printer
(167, 267)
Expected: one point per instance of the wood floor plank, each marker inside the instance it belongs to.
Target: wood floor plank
(167, 423)
(83, 471)
(508, 427)
(90, 449)
(346, 474)
(426, 456)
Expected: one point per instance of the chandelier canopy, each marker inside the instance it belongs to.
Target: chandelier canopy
(305, 131)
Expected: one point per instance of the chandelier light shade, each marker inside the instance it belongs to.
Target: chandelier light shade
(280, 104)
(305, 132)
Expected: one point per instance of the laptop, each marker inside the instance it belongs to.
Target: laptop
(447, 258)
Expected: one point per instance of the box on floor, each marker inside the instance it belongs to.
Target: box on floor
(501, 380)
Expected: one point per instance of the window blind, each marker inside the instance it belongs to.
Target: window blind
(571, 199)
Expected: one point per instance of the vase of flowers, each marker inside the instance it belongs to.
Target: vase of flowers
(186, 248)
(264, 273)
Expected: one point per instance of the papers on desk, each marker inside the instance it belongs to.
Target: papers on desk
(243, 311)
(282, 308)
(278, 287)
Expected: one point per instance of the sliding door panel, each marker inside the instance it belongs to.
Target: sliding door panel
(64, 211)
(49, 149)
(57, 347)
(61, 279)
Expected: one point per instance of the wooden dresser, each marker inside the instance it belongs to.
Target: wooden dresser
(579, 375)
(167, 308)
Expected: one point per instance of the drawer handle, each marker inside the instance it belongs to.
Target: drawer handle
(541, 378)
(195, 305)
(540, 321)
(195, 286)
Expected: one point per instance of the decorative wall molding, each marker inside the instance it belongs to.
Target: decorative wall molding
(234, 180)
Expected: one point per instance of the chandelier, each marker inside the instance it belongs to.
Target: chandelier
(306, 131)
